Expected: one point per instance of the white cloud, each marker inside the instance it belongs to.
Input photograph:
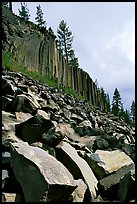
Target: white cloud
(124, 42)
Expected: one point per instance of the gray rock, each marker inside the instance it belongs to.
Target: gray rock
(5, 103)
(104, 163)
(77, 166)
(23, 103)
(84, 128)
(79, 192)
(100, 143)
(40, 175)
(7, 87)
(22, 116)
(53, 137)
(32, 129)
(8, 197)
(120, 185)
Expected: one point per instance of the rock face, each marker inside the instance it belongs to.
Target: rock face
(37, 50)
(45, 157)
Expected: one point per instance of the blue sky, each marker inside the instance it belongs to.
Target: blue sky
(104, 40)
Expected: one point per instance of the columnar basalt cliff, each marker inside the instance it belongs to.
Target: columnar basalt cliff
(37, 50)
(56, 147)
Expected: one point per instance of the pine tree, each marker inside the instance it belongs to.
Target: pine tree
(24, 12)
(65, 40)
(127, 117)
(74, 62)
(39, 17)
(108, 102)
(122, 112)
(8, 5)
(132, 112)
(116, 102)
(5, 4)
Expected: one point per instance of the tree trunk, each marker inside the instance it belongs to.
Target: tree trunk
(10, 6)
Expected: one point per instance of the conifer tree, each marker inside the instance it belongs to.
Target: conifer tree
(108, 102)
(5, 4)
(132, 112)
(116, 102)
(10, 5)
(39, 17)
(24, 12)
(127, 117)
(122, 112)
(65, 40)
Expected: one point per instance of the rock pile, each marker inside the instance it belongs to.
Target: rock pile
(58, 148)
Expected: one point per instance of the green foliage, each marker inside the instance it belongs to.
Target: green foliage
(9, 64)
(5, 4)
(127, 118)
(108, 102)
(7, 60)
(64, 44)
(122, 112)
(24, 12)
(132, 113)
(116, 102)
(73, 92)
(65, 40)
(39, 17)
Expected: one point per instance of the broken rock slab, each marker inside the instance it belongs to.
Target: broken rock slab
(120, 185)
(104, 162)
(79, 192)
(77, 166)
(40, 175)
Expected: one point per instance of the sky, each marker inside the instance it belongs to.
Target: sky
(104, 40)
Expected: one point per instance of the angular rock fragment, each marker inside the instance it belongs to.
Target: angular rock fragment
(32, 129)
(7, 87)
(77, 166)
(40, 175)
(8, 197)
(120, 185)
(79, 192)
(53, 136)
(23, 103)
(104, 163)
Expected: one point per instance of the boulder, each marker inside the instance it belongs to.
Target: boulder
(79, 192)
(7, 87)
(23, 103)
(53, 137)
(8, 197)
(22, 116)
(5, 103)
(84, 128)
(77, 166)
(104, 163)
(32, 129)
(120, 185)
(40, 175)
